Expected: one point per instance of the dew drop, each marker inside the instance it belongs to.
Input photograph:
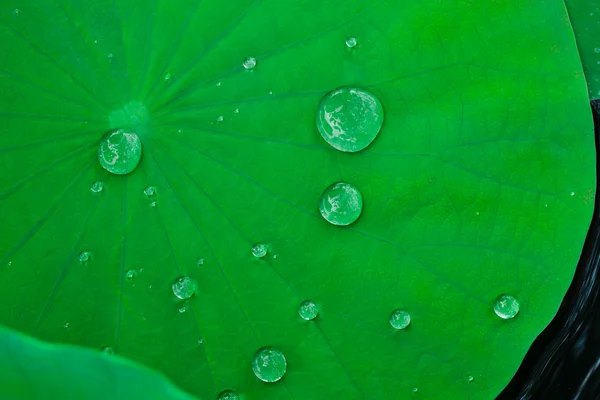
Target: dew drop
(415, 389)
(219, 84)
(259, 250)
(470, 378)
(131, 274)
(236, 111)
(110, 57)
(269, 364)
(399, 319)
(97, 187)
(153, 204)
(349, 118)
(120, 151)
(597, 50)
(182, 309)
(572, 194)
(17, 12)
(9, 264)
(220, 118)
(150, 191)
(200, 341)
(341, 204)
(200, 261)
(184, 287)
(66, 325)
(168, 76)
(506, 306)
(249, 63)
(228, 395)
(308, 310)
(108, 350)
(351, 42)
(84, 256)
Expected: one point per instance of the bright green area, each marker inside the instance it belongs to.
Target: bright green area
(585, 18)
(32, 370)
(480, 183)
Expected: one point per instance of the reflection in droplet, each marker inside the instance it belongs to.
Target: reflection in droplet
(84, 256)
(351, 42)
(120, 151)
(97, 187)
(259, 250)
(399, 319)
(308, 310)
(341, 204)
(269, 364)
(228, 395)
(249, 63)
(349, 119)
(506, 306)
(184, 287)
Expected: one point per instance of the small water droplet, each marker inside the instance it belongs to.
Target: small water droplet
(270, 93)
(399, 319)
(572, 193)
(9, 264)
(341, 204)
(236, 111)
(351, 42)
(184, 287)
(269, 364)
(228, 395)
(249, 63)
(149, 286)
(259, 250)
(96, 41)
(131, 274)
(97, 187)
(200, 261)
(219, 84)
(308, 310)
(349, 119)
(168, 76)
(506, 306)
(597, 50)
(470, 378)
(110, 57)
(153, 204)
(415, 389)
(84, 256)
(66, 325)
(120, 151)
(182, 309)
(200, 341)
(108, 350)
(150, 191)
(220, 118)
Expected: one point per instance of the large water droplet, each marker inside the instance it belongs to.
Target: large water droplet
(228, 395)
(351, 42)
(399, 319)
(97, 187)
(120, 151)
(259, 250)
(349, 119)
(308, 310)
(184, 287)
(108, 350)
(269, 364)
(84, 256)
(506, 306)
(341, 204)
(249, 63)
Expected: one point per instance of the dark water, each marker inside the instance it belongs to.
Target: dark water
(564, 361)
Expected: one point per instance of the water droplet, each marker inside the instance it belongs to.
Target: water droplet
(308, 310)
(236, 111)
(270, 93)
(470, 378)
(572, 193)
(95, 41)
(269, 364)
(182, 309)
(249, 63)
(9, 264)
(150, 191)
(351, 42)
(131, 274)
(399, 319)
(200, 341)
(184, 287)
(259, 250)
(349, 118)
(341, 204)
(120, 151)
(149, 286)
(17, 12)
(110, 57)
(220, 118)
(506, 306)
(415, 389)
(228, 395)
(219, 84)
(84, 256)
(597, 50)
(168, 76)
(97, 187)
(200, 261)
(153, 204)
(66, 325)
(108, 350)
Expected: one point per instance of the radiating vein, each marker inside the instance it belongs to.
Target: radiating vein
(48, 140)
(122, 269)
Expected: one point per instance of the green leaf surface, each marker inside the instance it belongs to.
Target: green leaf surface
(480, 182)
(585, 18)
(30, 369)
